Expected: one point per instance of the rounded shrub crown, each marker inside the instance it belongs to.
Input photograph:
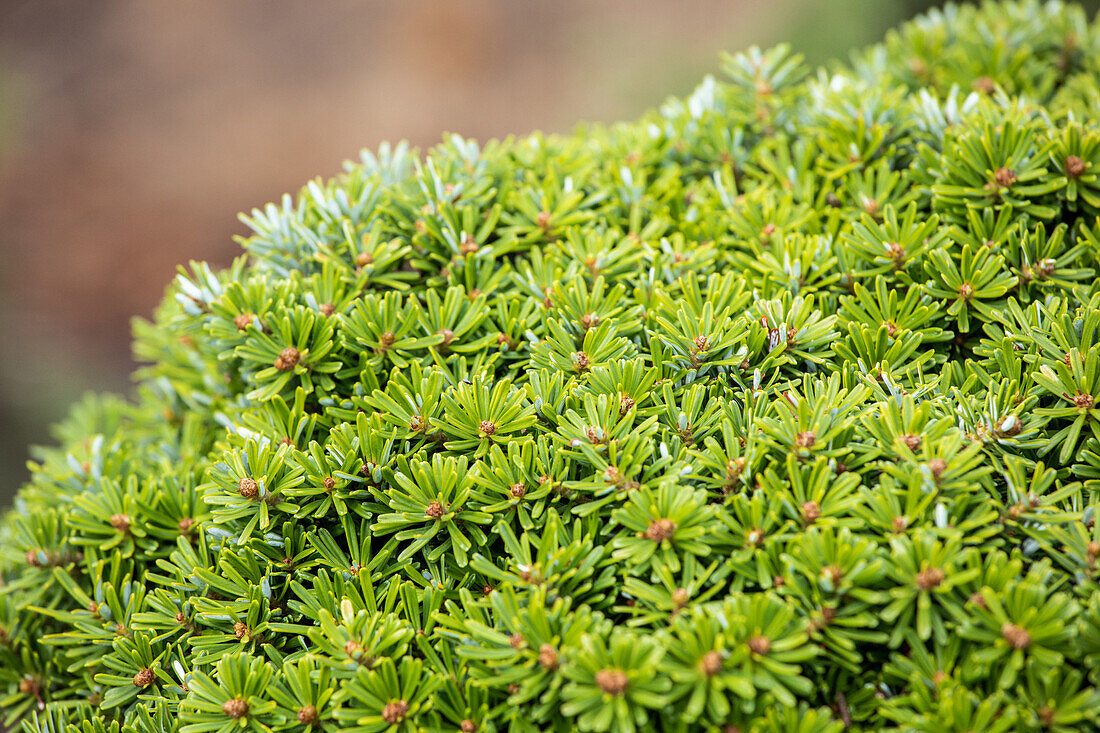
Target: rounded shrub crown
(774, 410)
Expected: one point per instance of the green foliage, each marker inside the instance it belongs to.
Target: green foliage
(774, 410)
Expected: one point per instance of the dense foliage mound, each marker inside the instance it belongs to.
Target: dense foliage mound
(774, 410)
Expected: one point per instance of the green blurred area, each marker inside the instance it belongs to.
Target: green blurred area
(69, 193)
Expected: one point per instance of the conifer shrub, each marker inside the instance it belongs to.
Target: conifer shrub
(774, 410)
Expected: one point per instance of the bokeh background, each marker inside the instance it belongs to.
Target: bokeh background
(132, 132)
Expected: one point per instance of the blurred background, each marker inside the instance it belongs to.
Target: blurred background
(132, 132)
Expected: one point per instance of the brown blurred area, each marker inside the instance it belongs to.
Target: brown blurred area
(132, 132)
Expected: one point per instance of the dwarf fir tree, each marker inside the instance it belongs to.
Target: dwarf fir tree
(774, 410)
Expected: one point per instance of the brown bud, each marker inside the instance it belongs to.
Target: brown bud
(1093, 550)
(517, 491)
(387, 340)
(937, 466)
(543, 220)
(810, 512)
(760, 645)
(660, 530)
(711, 663)
(363, 259)
(185, 525)
(1083, 401)
(984, 84)
(805, 440)
(235, 708)
(418, 423)
(121, 523)
(548, 657)
(897, 254)
(978, 600)
(581, 361)
(768, 230)
(612, 681)
(143, 678)
(589, 321)
(435, 510)
(448, 336)
(468, 726)
(833, 574)
(626, 404)
(308, 715)
(248, 488)
(1004, 177)
(488, 427)
(180, 618)
(1075, 167)
(395, 711)
(468, 246)
(930, 578)
(680, 597)
(1016, 637)
(242, 321)
(515, 641)
(327, 309)
(1044, 268)
(288, 359)
(734, 469)
(966, 291)
(241, 630)
(912, 442)
(900, 524)
(330, 483)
